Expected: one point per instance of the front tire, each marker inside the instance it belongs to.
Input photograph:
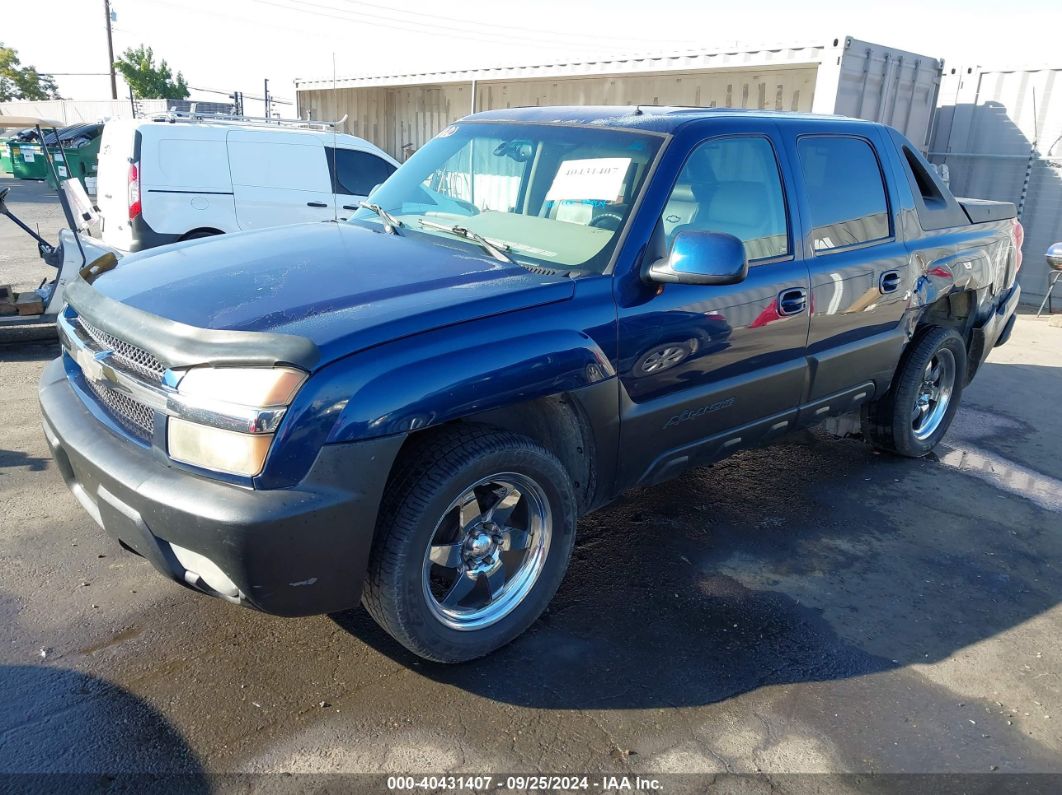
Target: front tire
(474, 536)
(913, 416)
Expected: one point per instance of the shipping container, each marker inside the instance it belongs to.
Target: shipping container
(400, 113)
(998, 135)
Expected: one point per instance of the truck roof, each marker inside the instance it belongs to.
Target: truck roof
(652, 118)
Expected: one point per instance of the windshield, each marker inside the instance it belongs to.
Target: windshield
(545, 195)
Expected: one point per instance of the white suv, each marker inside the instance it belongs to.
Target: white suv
(167, 180)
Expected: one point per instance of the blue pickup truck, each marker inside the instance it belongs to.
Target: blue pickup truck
(542, 308)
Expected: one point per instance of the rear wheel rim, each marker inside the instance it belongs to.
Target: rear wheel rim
(934, 395)
(487, 551)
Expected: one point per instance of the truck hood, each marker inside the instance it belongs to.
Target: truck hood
(341, 286)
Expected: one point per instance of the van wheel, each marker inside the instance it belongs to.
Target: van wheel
(916, 412)
(473, 538)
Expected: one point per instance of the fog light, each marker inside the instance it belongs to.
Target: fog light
(203, 568)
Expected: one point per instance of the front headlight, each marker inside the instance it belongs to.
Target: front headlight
(227, 416)
(217, 449)
(262, 387)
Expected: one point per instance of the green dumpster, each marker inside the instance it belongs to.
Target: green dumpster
(89, 158)
(80, 162)
(27, 160)
(67, 165)
(5, 159)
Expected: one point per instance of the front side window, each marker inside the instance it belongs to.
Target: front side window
(357, 173)
(845, 191)
(548, 194)
(731, 185)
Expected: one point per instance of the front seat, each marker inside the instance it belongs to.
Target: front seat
(739, 209)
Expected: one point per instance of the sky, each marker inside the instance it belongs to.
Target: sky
(234, 44)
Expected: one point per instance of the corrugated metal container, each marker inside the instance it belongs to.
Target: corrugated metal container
(999, 133)
(844, 76)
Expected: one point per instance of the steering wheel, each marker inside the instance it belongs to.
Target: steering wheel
(608, 220)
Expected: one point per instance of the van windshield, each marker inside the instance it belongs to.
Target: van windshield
(547, 195)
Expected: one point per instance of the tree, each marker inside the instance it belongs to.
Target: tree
(22, 82)
(147, 80)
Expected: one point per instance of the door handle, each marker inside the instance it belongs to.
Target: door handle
(351, 207)
(316, 204)
(792, 301)
(889, 281)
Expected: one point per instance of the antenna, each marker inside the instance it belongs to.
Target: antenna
(335, 174)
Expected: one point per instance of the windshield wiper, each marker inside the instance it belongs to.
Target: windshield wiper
(391, 223)
(496, 250)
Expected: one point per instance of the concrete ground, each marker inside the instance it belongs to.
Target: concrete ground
(810, 607)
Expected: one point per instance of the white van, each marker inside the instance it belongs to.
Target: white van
(181, 178)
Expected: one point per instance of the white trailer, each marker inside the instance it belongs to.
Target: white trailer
(842, 75)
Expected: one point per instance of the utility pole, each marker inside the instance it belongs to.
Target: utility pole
(265, 95)
(110, 49)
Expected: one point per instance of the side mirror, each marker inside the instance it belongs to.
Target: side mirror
(702, 258)
(375, 188)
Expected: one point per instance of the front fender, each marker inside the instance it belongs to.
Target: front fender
(415, 392)
(429, 379)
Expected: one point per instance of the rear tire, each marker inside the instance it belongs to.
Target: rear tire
(913, 416)
(474, 535)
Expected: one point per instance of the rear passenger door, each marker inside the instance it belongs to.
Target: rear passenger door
(354, 174)
(279, 178)
(860, 279)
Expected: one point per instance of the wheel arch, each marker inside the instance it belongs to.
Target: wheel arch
(555, 386)
(956, 310)
(201, 231)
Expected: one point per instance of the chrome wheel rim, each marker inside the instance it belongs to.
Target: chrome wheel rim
(487, 551)
(934, 395)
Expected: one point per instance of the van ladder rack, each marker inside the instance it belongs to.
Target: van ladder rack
(185, 117)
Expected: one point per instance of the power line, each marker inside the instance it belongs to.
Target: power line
(272, 98)
(305, 6)
(548, 34)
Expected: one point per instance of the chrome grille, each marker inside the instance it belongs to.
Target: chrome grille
(131, 414)
(124, 354)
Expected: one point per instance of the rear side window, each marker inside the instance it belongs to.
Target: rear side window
(187, 163)
(267, 164)
(357, 173)
(845, 191)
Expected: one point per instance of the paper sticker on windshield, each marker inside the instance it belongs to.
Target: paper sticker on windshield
(595, 178)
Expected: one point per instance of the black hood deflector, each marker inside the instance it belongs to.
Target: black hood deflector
(180, 345)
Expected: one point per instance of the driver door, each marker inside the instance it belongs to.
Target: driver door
(706, 369)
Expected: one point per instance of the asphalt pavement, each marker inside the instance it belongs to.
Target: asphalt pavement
(812, 607)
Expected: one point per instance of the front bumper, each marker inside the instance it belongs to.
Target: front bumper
(297, 551)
